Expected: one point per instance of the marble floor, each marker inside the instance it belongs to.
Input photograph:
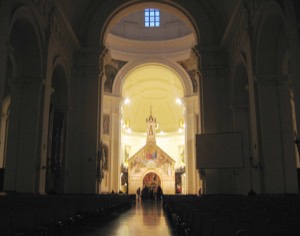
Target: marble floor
(143, 219)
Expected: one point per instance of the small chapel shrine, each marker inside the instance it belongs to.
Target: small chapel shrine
(151, 167)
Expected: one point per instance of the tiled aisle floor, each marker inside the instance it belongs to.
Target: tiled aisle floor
(144, 219)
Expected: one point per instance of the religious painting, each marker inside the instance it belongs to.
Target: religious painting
(105, 156)
(105, 124)
(151, 179)
(150, 157)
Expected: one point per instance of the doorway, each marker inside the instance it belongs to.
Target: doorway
(151, 182)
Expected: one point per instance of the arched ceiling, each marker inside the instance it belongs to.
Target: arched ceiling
(132, 27)
(149, 85)
(75, 10)
(152, 87)
(84, 16)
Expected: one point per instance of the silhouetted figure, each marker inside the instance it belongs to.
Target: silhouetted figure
(151, 194)
(159, 193)
(138, 194)
(145, 193)
(251, 192)
(200, 191)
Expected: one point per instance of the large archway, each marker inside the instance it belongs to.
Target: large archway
(151, 180)
(26, 90)
(276, 146)
(55, 174)
(133, 66)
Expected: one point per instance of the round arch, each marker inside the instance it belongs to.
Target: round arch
(128, 8)
(242, 123)
(59, 103)
(240, 87)
(25, 45)
(136, 59)
(59, 61)
(23, 23)
(60, 83)
(151, 179)
(3, 129)
(267, 35)
(174, 67)
(275, 134)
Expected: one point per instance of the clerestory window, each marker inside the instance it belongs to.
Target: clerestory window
(152, 17)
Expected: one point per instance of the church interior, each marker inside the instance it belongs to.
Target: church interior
(100, 98)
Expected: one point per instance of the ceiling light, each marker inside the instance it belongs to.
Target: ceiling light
(178, 101)
(126, 101)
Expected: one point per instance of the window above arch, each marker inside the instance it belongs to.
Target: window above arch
(152, 17)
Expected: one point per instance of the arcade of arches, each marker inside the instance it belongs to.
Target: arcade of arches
(93, 101)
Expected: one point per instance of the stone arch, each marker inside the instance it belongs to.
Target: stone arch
(3, 128)
(58, 117)
(269, 30)
(240, 87)
(4, 117)
(27, 90)
(26, 44)
(176, 68)
(241, 123)
(60, 88)
(130, 7)
(180, 64)
(275, 133)
(151, 178)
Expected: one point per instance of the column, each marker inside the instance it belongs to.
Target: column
(3, 135)
(115, 146)
(23, 143)
(190, 151)
(276, 147)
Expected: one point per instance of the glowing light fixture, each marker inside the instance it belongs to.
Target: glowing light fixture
(180, 130)
(178, 101)
(126, 101)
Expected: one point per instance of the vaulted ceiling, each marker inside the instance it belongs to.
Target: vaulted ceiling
(150, 85)
(80, 12)
(157, 89)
